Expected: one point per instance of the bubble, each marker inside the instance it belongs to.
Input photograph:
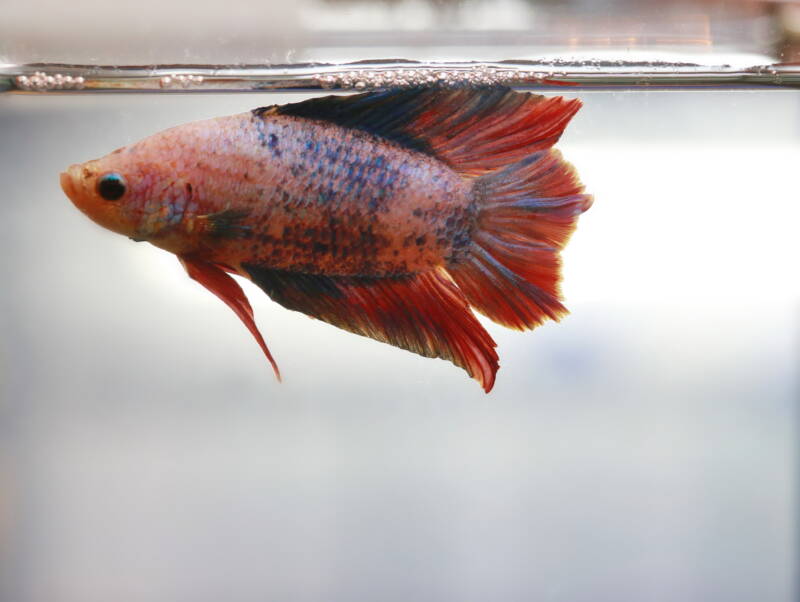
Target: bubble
(41, 81)
(478, 76)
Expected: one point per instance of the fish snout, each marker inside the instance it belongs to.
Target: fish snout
(70, 180)
(66, 184)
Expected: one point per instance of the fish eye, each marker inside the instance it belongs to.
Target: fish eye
(111, 186)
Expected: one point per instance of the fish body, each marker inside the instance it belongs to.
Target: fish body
(386, 214)
(309, 197)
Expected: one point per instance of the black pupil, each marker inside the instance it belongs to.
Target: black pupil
(111, 186)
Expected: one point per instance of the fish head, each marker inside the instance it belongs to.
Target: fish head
(129, 191)
(99, 193)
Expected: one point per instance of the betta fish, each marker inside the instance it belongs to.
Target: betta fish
(388, 214)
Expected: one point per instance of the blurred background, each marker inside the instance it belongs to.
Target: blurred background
(269, 32)
(643, 449)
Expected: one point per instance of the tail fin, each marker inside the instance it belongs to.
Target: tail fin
(526, 214)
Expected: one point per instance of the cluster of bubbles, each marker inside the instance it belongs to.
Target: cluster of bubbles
(180, 81)
(764, 70)
(40, 81)
(481, 76)
(770, 71)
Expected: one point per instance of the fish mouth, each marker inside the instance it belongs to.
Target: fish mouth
(68, 185)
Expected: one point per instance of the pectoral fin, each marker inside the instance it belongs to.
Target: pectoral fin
(226, 288)
(229, 223)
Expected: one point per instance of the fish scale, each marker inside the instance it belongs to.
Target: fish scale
(374, 223)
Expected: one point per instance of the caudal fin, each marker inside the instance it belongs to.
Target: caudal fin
(527, 212)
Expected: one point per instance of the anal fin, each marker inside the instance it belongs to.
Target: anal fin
(423, 313)
(226, 288)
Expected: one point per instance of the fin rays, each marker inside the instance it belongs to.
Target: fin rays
(475, 131)
(423, 313)
(226, 288)
(527, 213)
(528, 201)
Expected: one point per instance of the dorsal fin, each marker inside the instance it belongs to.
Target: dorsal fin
(475, 131)
(385, 114)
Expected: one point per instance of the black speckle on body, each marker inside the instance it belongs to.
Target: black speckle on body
(348, 202)
(272, 142)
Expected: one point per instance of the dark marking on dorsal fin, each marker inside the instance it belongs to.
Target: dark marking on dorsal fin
(269, 110)
(384, 114)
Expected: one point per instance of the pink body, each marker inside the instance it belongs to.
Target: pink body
(313, 196)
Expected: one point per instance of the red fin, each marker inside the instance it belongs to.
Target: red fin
(475, 131)
(423, 313)
(227, 289)
(486, 134)
(527, 213)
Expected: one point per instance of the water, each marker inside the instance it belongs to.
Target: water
(642, 449)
